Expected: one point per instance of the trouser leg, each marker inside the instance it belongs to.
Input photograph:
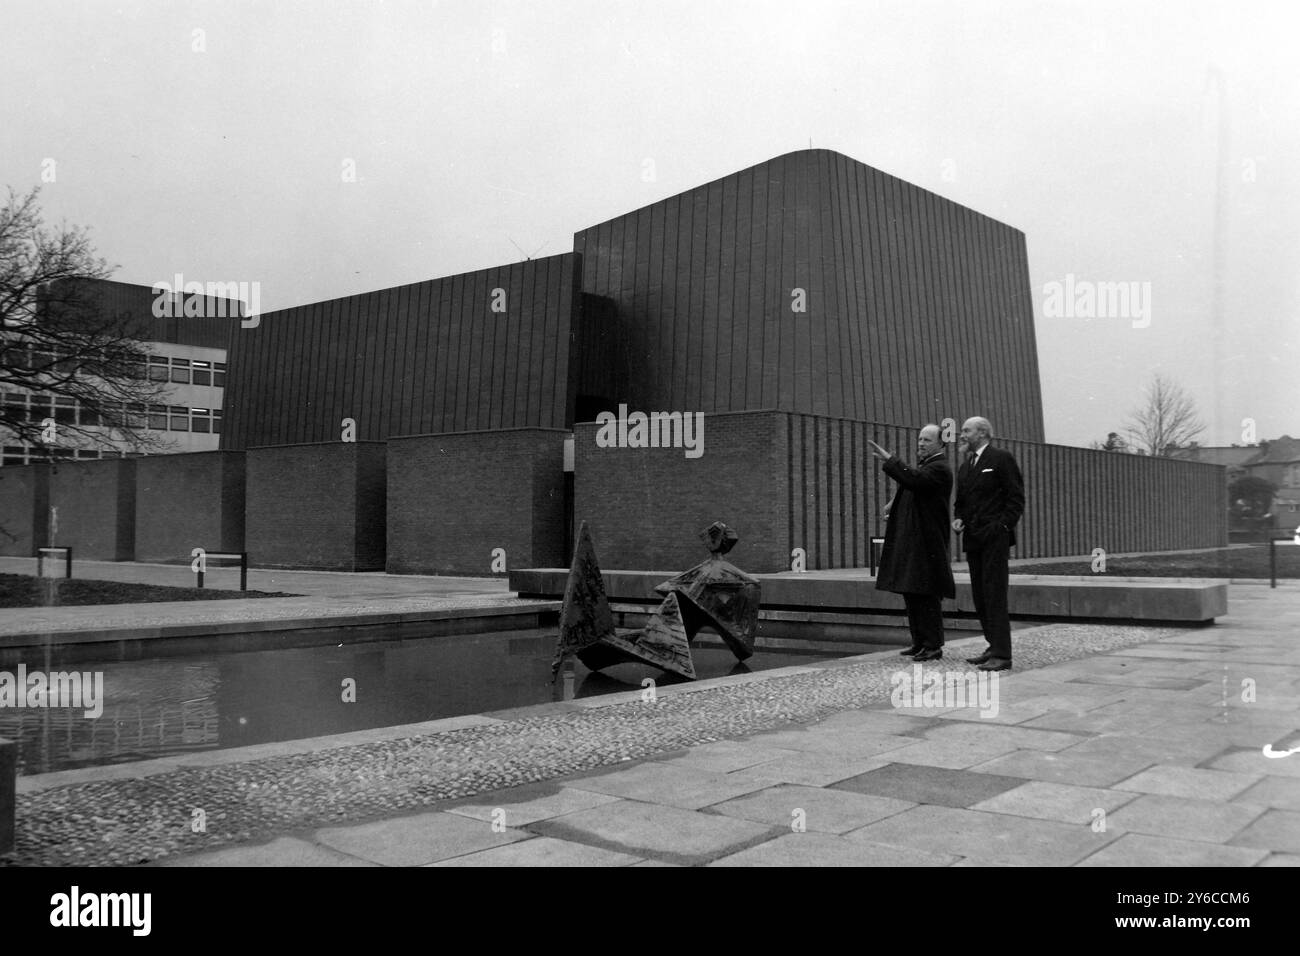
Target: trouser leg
(991, 597)
(925, 619)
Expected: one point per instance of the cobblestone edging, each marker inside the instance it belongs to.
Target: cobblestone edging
(131, 821)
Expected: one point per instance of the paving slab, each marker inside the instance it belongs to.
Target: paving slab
(1253, 761)
(1159, 748)
(1282, 793)
(879, 721)
(284, 851)
(654, 782)
(832, 740)
(724, 756)
(1184, 819)
(996, 837)
(667, 833)
(520, 806)
(812, 808)
(811, 769)
(1140, 849)
(918, 784)
(542, 851)
(1189, 782)
(416, 840)
(1019, 738)
(1054, 801)
(1274, 830)
(821, 849)
(1084, 770)
(953, 754)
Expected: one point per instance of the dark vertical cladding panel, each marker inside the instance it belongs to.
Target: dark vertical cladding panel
(727, 264)
(775, 301)
(734, 388)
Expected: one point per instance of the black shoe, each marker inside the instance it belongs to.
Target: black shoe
(980, 659)
(996, 664)
(911, 651)
(929, 654)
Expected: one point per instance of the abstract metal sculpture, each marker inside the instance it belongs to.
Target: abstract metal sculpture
(714, 594)
(717, 594)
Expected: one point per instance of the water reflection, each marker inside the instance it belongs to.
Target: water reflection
(217, 699)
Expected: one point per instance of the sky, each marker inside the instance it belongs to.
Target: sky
(326, 148)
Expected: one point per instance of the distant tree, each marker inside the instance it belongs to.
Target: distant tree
(1250, 496)
(85, 369)
(1167, 421)
(1114, 442)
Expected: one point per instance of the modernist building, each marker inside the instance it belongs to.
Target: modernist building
(186, 353)
(810, 283)
(792, 310)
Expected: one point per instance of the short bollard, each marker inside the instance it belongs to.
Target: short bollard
(8, 778)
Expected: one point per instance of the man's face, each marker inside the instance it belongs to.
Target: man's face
(971, 435)
(927, 442)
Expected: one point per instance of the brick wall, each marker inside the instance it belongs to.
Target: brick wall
(453, 498)
(95, 505)
(646, 506)
(24, 508)
(188, 501)
(787, 481)
(316, 506)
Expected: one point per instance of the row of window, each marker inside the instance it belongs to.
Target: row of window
(183, 371)
(66, 411)
(158, 368)
(18, 455)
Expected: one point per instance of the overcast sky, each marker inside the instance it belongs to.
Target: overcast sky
(1131, 142)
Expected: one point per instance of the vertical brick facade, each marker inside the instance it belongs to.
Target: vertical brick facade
(94, 502)
(24, 508)
(454, 498)
(188, 501)
(646, 506)
(788, 481)
(316, 506)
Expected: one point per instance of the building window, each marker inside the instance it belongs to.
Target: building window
(181, 371)
(157, 368)
(200, 420)
(158, 417)
(65, 411)
(216, 421)
(180, 418)
(202, 373)
(219, 374)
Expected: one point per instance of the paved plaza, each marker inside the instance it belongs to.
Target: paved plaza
(1111, 746)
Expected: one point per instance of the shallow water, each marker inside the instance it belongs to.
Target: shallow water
(213, 699)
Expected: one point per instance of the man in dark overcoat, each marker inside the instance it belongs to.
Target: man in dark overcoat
(914, 561)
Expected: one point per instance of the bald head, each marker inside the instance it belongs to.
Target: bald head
(928, 441)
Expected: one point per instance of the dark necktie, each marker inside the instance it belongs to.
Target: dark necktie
(970, 460)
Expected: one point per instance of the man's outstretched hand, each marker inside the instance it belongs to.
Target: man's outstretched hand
(879, 452)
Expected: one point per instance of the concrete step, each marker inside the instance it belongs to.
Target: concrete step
(1037, 597)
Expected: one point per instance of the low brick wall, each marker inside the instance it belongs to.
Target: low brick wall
(189, 501)
(455, 498)
(24, 509)
(316, 506)
(645, 507)
(787, 481)
(94, 503)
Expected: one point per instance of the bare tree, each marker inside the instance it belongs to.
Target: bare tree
(1114, 442)
(1167, 421)
(74, 375)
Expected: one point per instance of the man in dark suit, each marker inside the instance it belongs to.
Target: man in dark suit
(990, 501)
(914, 561)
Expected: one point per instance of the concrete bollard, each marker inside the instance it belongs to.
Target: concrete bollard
(8, 778)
